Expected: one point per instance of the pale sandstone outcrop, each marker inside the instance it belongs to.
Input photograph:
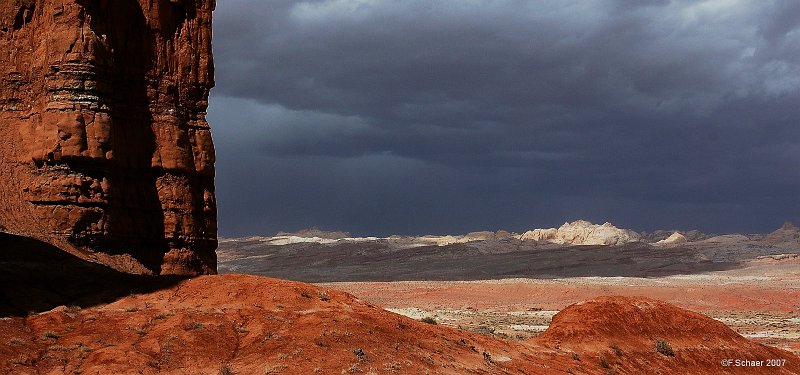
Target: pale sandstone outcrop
(673, 239)
(582, 232)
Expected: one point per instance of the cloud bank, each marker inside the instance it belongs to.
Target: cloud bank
(381, 117)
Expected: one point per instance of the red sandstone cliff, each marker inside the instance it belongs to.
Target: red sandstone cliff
(104, 144)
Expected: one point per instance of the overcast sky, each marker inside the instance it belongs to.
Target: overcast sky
(450, 116)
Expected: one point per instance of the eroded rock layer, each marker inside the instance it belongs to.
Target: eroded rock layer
(103, 139)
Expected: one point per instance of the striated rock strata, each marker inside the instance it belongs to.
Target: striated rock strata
(104, 144)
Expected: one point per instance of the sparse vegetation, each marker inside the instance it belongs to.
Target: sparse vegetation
(429, 320)
(616, 350)
(393, 367)
(132, 309)
(141, 331)
(484, 330)
(576, 356)
(19, 360)
(193, 326)
(604, 363)
(50, 335)
(323, 296)
(274, 369)
(663, 347)
(488, 357)
(17, 341)
(225, 369)
(305, 294)
(160, 316)
(360, 353)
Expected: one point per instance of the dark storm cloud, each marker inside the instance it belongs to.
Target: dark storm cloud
(416, 116)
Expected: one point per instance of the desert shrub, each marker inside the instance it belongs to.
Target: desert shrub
(663, 347)
(576, 356)
(429, 320)
(225, 369)
(160, 316)
(604, 362)
(50, 335)
(360, 353)
(616, 350)
(484, 330)
(323, 296)
(193, 326)
(16, 341)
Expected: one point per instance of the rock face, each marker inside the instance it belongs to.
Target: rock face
(103, 139)
(582, 233)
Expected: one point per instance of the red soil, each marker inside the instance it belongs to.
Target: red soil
(255, 325)
(624, 331)
(518, 295)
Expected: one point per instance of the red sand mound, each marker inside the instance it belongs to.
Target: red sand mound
(254, 325)
(642, 335)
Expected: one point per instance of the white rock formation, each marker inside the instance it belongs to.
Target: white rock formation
(675, 238)
(582, 232)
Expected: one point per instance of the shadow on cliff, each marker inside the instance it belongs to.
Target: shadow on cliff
(135, 217)
(36, 276)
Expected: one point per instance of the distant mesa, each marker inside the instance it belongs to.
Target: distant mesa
(582, 232)
(786, 234)
(660, 235)
(579, 232)
(316, 232)
(576, 233)
(788, 225)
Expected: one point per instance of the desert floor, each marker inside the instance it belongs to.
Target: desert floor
(760, 301)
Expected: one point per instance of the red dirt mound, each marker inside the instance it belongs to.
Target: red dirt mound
(237, 324)
(642, 335)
